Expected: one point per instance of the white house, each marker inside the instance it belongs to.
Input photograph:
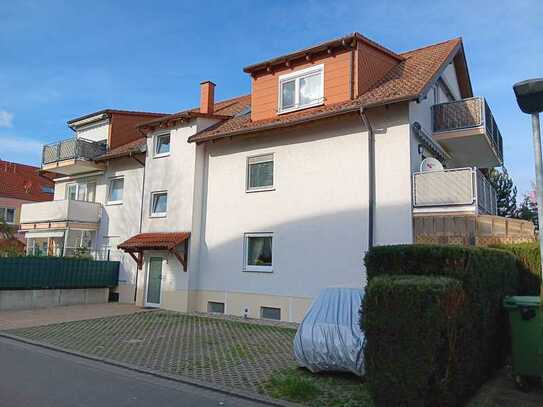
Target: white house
(250, 206)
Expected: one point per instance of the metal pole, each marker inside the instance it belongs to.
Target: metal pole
(538, 175)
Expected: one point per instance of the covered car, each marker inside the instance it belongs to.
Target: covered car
(329, 338)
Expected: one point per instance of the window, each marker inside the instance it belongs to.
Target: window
(300, 89)
(115, 191)
(258, 252)
(48, 190)
(159, 204)
(215, 307)
(260, 173)
(270, 313)
(7, 214)
(162, 145)
(83, 191)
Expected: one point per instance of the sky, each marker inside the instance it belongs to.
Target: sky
(62, 59)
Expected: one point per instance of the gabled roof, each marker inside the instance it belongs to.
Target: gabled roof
(20, 181)
(406, 81)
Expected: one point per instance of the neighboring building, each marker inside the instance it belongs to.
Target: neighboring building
(252, 205)
(20, 184)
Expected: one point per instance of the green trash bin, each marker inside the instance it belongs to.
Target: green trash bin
(527, 336)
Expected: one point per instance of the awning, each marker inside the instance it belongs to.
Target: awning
(44, 234)
(136, 245)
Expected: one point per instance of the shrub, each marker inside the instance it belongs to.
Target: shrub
(416, 319)
(529, 257)
(487, 276)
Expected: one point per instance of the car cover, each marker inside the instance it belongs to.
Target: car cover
(329, 338)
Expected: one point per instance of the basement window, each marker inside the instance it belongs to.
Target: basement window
(215, 307)
(270, 313)
(301, 89)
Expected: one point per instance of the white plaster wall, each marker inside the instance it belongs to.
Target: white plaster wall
(449, 76)
(317, 212)
(96, 131)
(393, 204)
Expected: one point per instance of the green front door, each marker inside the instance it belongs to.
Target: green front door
(154, 282)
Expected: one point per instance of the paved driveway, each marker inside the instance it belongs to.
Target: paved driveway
(46, 316)
(228, 354)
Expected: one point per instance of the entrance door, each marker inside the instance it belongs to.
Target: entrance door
(154, 282)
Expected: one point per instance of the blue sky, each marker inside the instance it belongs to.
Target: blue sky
(62, 59)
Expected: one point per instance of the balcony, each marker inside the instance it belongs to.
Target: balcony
(466, 129)
(459, 190)
(60, 214)
(72, 156)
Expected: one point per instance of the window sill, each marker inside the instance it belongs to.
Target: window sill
(259, 270)
(260, 190)
(158, 215)
(295, 109)
(161, 155)
(113, 203)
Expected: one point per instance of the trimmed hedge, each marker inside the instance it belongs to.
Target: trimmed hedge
(487, 276)
(529, 257)
(416, 319)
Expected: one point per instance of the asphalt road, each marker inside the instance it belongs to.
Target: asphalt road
(33, 376)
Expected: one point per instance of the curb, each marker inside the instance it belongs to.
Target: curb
(180, 379)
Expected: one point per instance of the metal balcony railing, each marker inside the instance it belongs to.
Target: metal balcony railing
(74, 148)
(465, 114)
(454, 187)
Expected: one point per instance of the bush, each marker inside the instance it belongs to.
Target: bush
(416, 319)
(529, 266)
(486, 275)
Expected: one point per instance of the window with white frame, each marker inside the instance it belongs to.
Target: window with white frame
(81, 191)
(258, 252)
(159, 204)
(260, 173)
(162, 145)
(300, 89)
(8, 215)
(115, 190)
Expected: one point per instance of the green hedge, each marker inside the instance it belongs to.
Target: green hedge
(529, 257)
(417, 319)
(487, 276)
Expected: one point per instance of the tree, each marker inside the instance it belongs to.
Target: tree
(506, 193)
(528, 209)
(6, 231)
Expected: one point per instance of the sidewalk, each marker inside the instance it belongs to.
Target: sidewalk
(47, 316)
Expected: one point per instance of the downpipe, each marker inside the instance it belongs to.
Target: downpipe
(371, 176)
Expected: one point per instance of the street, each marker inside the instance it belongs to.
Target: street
(33, 376)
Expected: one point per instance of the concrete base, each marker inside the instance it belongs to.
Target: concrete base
(30, 299)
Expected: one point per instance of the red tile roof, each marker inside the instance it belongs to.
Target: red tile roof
(23, 182)
(406, 81)
(224, 109)
(134, 147)
(154, 241)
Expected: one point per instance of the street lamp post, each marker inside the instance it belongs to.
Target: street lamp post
(530, 100)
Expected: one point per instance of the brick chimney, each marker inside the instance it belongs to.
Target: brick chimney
(207, 97)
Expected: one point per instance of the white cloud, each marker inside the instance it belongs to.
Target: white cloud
(6, 119)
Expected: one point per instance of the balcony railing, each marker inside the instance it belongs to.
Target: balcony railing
(60, 210)
(454, 188)
(74, 148)
(465, 114)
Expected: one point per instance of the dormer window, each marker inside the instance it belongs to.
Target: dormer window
(301, 89)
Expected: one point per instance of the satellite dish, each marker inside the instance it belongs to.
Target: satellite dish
(430, 164)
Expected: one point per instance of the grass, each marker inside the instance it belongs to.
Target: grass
(333, 390)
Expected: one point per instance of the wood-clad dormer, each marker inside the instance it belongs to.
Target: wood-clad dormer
(329, 73)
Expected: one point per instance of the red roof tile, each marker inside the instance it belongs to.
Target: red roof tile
(23, 182)
(134, 147)
(406, 81)
(154, 241)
